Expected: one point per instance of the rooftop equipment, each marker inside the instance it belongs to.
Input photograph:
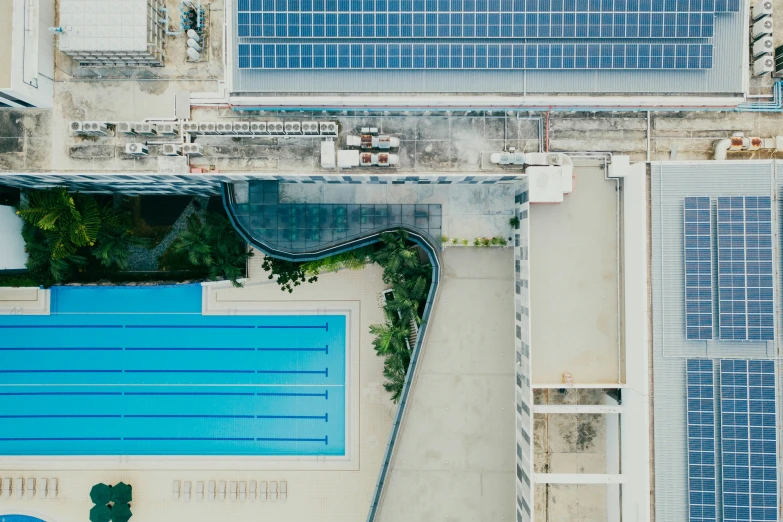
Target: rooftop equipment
(275, 127)
(136, 149)
(293, 127)
(327, 154)
(170, 150)
(167, 129)
(125, 127)
(370, 141)
(763, 65)
(760, 9)
(328, 128)
(190, 127)
(144, 129)
(193, 150)
(258, 127)
(762, 28)
(241, 127)
(762, 46)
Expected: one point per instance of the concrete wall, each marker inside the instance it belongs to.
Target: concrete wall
(12, 254)
(523, 390)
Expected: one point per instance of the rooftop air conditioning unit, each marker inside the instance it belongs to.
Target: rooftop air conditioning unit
(275, 127)
(310, 127)
(224, 128)
(241, 127)
(125, 127)
(763, 65)
(760, 9)
(369, 130)
(76, 127)
(170, 150)
(328, 128)
(762, 28)
(258, 127)
(207, 128)
(293, 127)
(190, 127)
(193, 150)
(763, 46)
(95, 128)
(144, 129)
(136, 149)
(166, 129)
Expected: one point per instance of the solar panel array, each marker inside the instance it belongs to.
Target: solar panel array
(748, 441)
(702, 487)
(745, 291)
(477, 34)
(698, 268)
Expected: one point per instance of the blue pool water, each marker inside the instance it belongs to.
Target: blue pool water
(139, 371)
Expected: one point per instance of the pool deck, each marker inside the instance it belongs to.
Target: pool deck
(316, 490)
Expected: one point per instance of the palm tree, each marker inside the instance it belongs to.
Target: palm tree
(390, 337)
(394, 370)
(397, 256)
(112, 246)
(213, 243)
(406, 302)
(69, 221)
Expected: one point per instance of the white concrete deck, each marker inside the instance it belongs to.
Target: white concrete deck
(574, 285)
(455, 451)
(315, 492)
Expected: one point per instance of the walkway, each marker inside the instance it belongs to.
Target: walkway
(455, 451)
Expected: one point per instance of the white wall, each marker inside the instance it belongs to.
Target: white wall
(12, 254)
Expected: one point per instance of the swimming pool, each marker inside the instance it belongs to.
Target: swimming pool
(140, 371)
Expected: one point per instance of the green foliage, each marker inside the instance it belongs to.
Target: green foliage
(351, 260)
(211, 242)
(514, 222)
(390, 336)
(477, 241)
(499, 240)
(289, 274)
(444, 239)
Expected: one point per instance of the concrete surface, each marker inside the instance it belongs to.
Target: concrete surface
(455, 451)
(574, 284)
(12, 253)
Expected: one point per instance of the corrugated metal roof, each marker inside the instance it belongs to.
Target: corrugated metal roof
(671, 182)
(726, 76)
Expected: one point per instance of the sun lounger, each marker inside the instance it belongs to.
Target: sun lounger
(243, 490)
(52, 491)
(175, 490)
(283, 490)
(273, 490)
(29, 487)
(200, 490)
(41, 491)
(211, 490)
(262, 494)
(221, 490)
(19, 487)
(232, 490)
(186, 491)
(253, 489)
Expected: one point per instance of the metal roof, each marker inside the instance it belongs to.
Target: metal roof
(671, 182)
(725, 77)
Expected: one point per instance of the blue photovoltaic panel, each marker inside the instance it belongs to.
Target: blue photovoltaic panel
(474, 56)
(702, 485)
(477, 34)
(698, 268)
(745, 295)
(748, 441)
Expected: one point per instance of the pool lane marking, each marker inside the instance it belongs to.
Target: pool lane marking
(170, 385)
(189, 371)
(140, 416)
(325, 371)
(60, 416)
(325, 440)
(61, 349)
(324, 417)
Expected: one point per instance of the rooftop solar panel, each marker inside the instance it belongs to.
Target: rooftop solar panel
(698, 268)
(748, 440)
(745, 290)
(702, 487)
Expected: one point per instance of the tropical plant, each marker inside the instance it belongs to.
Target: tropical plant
(114, 240)
(70, 221)
(389, 337)
(398, 257)
(211, 242)
(41, 265)
(514, 222)
(289, 273)
(395, 369)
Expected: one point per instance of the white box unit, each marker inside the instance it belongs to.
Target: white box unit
(190, 127)
(328, 156)
(760, 9)
(136, 149)
(275, 127)
(144, 129)
(125, 127)
(241, 127)
(207, 128)
(76, 127)
(310, 127)
(224, 128)
(763, 65)
(170, 150)
(762, 28)
(95, 128)
(293, 127)
(369, 130)
(258, 127)
(763, 46)
(193, 149)
(166, 129)
(328, 128)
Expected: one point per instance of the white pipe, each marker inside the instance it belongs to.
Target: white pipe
(721, 148)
